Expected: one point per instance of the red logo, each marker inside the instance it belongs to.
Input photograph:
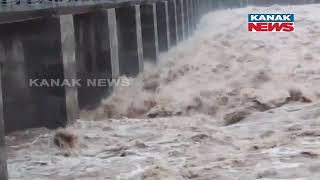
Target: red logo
(271, 22)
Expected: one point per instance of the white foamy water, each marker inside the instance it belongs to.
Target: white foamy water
(170, 124)
(224, 68)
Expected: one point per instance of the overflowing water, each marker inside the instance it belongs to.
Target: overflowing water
(224, 69)
(226, 104)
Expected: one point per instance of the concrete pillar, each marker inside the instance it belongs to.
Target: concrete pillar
(130, 40)
(198, 10)
(195, 12)
(68, 50)
(3, 152)
(173, 27)
(163, 25)
(215, 4)
(201, 7)
(183, 15)
(167, 24)
(246, 3)
(186, 18)
(220, 4)
(139, 37)
(241, 3)
(180, 20)
(238, 4)
(211, 5)
(149, 32)
(191, 16)
(113, 35)
(207, 5)
(198, 2)
(204, 6)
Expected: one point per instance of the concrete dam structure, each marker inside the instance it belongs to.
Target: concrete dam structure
(77, 39)
(106, 39)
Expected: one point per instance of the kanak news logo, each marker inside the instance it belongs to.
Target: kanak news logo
(270, 22)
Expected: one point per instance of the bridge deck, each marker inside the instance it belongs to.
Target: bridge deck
(20, 10)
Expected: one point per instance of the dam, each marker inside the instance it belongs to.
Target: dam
(79, 39)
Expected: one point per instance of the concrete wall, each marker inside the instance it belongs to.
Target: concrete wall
(192, 24)
(3, 155)
(93, 55)
(93, 45)
(180, 20)
(173, 26)
(186, 18)
(149, 29)
(82, 46)
(32, 50)
(129, 40)
(36, 49)
(163, 25)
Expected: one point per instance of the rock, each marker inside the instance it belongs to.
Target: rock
(151, 85)
(235, 117)
(295, 127)
(266, 174)
(199, 137)
(267, 134)
(158, 111)
(309, 154)
(139, 144)
(65, 138)
(261, 106)
(297, 95)
(310, 133)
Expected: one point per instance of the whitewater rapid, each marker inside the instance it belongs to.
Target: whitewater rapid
(224, 69)
(225, 104)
